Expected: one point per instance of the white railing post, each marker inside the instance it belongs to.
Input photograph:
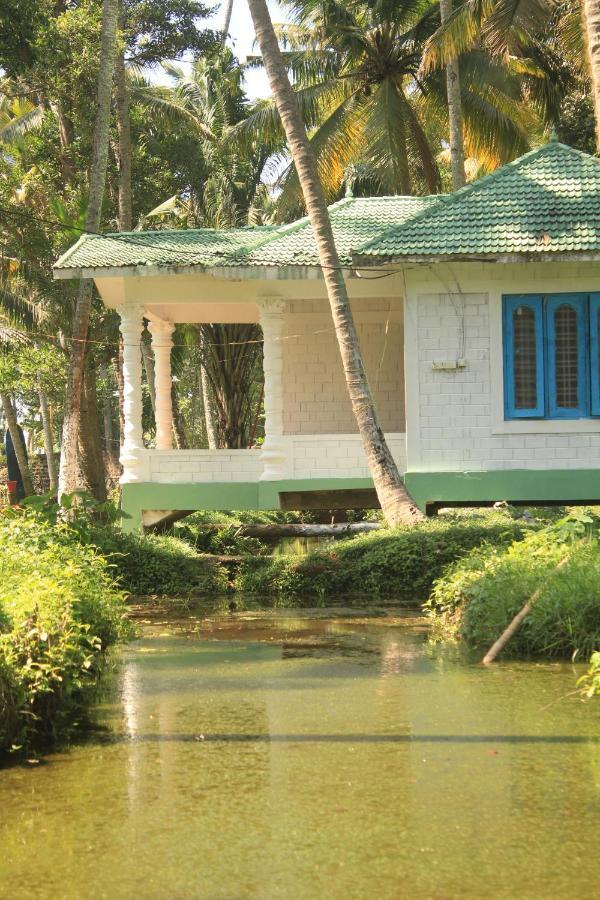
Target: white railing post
(131, 458)
(273, 455)
(162, 342)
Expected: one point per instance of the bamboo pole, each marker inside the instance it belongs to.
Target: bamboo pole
(514, 626)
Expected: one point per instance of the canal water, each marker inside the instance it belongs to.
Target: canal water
(322, 755)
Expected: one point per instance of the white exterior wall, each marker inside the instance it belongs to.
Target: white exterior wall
(201, 466)
(455, 418)
(315, 397)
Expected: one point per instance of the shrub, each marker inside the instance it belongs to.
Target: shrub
(59, 612)
(479, 595)
(155, 564)
(400, 563)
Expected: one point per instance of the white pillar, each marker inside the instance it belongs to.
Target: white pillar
(273, 450)
(162, 342)
(133, 439)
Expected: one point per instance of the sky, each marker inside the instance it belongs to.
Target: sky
(242, 41)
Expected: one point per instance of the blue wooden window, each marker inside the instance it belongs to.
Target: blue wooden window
(595, 353)
(551, 356)
(523, 357)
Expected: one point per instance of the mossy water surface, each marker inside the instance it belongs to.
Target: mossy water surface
(313, 754)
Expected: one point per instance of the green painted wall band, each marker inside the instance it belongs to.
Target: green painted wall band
(426, 488)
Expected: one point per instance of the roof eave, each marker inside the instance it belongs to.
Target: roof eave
(235, 273)
(368, 260)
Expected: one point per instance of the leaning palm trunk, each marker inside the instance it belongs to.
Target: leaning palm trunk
(68, 461)
(48, 441)
(19, 446)
(591, 16)
(457, 151)
(395, 502)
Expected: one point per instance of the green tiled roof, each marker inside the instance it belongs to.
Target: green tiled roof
(548, 201)
(194, 247)
(355, 221)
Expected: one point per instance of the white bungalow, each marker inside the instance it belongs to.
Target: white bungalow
(478, 315)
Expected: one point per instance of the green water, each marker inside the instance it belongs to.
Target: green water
(305, 757)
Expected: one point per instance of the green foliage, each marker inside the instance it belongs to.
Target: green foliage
(400, 564)
(59, 612)
(479, 595)
(140, 564)
(589, 683)
(153, 564)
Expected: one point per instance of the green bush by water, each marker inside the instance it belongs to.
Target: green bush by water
(479, 595)
(59, 612)
(156, 564)
(400, 563)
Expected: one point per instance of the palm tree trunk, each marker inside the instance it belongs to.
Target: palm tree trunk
(48, 441)
(124, 145)
(68, 461)
(591, 15)
(148, 361)
(457, 150)
(395, 502)
(107, 419)
(19, 446)
(178, 429)
(227, 19)
(90, 438)
(209, 417)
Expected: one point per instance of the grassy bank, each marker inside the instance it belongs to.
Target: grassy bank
(399, 564)
(59, 612)
(478, 595)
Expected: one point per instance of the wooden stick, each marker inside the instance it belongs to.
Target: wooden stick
(513, 626)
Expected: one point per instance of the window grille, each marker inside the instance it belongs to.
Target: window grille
(524, 358)
(566, 357)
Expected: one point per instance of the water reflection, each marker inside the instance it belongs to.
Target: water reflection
(299, 757)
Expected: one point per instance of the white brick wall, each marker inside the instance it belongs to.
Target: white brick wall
(336, 455)
(172, 466)
(458, 414)
(315, 398)
(307, 456)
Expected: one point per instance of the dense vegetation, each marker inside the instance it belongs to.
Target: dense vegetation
(477, 597)
(398, 564)
(59, 612)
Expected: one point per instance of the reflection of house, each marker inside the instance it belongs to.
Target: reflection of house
(478, 315)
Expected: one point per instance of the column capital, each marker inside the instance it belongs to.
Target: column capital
(160, 328)
(131, 312)
(271, 306)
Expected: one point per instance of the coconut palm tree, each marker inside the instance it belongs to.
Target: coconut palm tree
(591, 9)
(527, 37)
(81, 318)
(395, 502)
(455, 117)
(357, 76)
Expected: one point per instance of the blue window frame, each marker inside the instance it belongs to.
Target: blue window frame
(551, 356)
